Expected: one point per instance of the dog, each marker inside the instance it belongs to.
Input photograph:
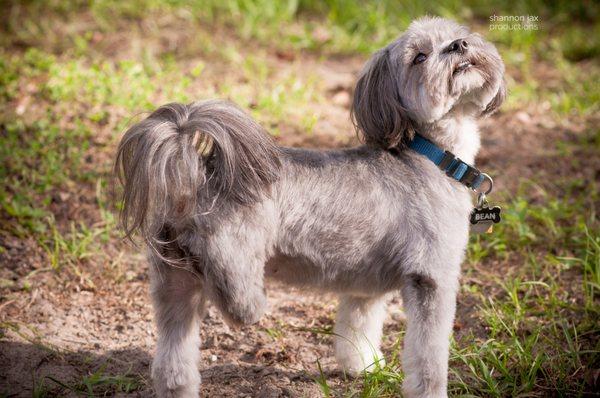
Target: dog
(220, 207)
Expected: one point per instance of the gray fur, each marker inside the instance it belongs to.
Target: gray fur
(210, 151)
(377, 111)
(361, 222)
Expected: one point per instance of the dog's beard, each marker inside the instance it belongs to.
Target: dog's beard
(476, 77)
(466, 78)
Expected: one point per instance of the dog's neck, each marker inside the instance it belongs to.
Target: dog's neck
(457, 135)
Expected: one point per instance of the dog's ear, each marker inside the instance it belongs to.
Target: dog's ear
(377, 110)
(498, 99)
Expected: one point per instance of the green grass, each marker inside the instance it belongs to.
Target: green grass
(539, 335)
(73, 75)
(332, 26)
(541, 328)
(97, 383)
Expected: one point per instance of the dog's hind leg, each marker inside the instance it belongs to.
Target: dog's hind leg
(358, 329)
(178, 301)
(430, 306)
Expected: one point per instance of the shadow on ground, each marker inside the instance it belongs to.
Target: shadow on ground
(29, 369)
(53, 372)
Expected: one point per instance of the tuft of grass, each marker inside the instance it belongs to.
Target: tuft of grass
(99, 383)
(128, 85)
(321, 381)
(590, 264)
(40, 389)
(35, 163)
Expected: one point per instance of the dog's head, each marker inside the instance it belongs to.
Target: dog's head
(435, 70)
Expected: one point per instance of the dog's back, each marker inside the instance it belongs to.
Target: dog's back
(357, 220)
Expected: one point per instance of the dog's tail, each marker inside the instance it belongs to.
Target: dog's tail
(183, 154)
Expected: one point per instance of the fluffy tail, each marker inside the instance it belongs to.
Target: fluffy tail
(182, 153)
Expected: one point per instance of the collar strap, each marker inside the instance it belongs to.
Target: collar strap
(449, 163)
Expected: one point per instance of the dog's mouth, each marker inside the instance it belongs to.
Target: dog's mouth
(463, 66)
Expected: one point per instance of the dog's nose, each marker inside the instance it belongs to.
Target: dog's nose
(458, 46)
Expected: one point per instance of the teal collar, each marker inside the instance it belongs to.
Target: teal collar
(454, 168)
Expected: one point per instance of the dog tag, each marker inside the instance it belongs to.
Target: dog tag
(482, 227)
(484, 217)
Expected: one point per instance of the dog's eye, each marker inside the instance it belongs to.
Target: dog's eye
(419, 58)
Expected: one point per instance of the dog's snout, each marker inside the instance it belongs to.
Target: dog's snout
(457, 46)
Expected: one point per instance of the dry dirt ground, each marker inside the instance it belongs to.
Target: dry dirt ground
(66, 328)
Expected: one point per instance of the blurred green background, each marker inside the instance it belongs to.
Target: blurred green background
(75, 74)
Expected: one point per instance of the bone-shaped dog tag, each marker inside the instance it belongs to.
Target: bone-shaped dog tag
(484, 217)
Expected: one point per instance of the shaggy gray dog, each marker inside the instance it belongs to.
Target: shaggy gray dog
(221, 206)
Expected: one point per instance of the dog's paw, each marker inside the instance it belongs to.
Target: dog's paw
(176, 380)
(355, 362)
(415, 387)
(246, 310)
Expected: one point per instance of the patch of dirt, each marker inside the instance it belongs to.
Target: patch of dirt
(524, 144)
(69, 335)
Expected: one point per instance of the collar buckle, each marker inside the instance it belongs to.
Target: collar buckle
(446, 160)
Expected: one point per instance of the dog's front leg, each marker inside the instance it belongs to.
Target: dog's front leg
(358, 329)
(430, 305)
(178, 303)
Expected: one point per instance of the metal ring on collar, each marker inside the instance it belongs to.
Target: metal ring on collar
(490, 184)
